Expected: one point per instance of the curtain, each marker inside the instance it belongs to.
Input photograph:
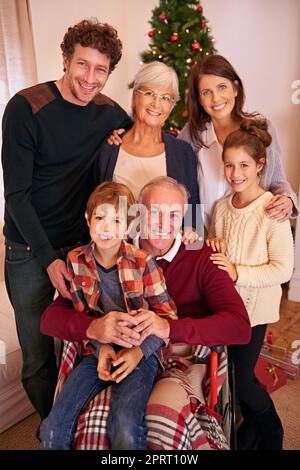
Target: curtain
(17, 60)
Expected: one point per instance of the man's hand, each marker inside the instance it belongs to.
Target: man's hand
(149, 323)
(225, 265)
(114, 138)
(115, 327)
(280, 208)
(106, 357)
(57, 272)
(127, 361)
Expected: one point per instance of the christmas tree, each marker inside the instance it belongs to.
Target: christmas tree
(179, 38)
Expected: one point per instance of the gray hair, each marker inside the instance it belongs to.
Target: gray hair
(157, 73)
(163, 181)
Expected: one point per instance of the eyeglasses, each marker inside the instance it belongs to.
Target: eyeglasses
(151, 95)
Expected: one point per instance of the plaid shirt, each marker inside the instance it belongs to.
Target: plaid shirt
(141, 280)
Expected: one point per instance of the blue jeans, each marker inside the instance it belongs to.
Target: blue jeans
(30, 292)
(126, 427)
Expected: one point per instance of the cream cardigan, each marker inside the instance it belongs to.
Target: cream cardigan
(261, 249)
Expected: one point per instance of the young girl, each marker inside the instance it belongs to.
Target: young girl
(111, 275)
(258, 258)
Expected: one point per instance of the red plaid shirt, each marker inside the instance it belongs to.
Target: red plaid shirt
(141, 280)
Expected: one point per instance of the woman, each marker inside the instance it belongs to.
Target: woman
(145, 151)
(215, 109)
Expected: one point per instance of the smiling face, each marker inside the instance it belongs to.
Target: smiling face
(152, 105)
(241, 169)
(217, 96)
(107, 227)
(165, 211)
(86, 73)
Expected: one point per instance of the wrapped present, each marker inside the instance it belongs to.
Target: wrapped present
(270, 376)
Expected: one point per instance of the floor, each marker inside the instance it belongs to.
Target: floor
(286, 399)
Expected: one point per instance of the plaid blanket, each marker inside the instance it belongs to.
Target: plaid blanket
(182, 421)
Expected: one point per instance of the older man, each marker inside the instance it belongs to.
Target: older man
(209, 308)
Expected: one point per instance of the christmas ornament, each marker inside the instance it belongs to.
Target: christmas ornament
(203, 25)
(199, 9)
(162, 16)
(151, 34)
(196, 46)
(174, 37)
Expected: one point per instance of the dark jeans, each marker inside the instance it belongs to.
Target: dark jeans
(30, 292)
(126, 428)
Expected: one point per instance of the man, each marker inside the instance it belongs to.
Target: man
(51, 134)
(209, 308)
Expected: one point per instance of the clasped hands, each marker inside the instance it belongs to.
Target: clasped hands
(115, 366)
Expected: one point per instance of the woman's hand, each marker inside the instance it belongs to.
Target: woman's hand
(223, 263)
(280, 208)
(114, 138)
(106, 357)
(126, 362)
(217, 244)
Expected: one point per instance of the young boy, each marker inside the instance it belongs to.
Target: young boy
(110, 274)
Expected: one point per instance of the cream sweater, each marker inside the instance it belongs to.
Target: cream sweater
(261, 249)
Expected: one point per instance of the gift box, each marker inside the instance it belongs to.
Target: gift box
(270, 376)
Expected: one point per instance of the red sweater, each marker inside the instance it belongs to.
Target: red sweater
(209, 309)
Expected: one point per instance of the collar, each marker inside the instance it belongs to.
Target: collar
(210, 136)
(126, 251)
(170, 255)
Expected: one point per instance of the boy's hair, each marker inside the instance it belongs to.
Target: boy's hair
(91, 33)
(109, 192)
(253, 135)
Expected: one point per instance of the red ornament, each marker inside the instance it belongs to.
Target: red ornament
(174, 37)
(203, 25)
(199, 9)
(173, 131)
(196, 46)
(151, 34)
(162, 16)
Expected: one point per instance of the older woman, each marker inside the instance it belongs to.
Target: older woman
(145, 151)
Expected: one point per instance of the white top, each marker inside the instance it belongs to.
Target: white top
(211, 180)
(135, 172)
(262, 251)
